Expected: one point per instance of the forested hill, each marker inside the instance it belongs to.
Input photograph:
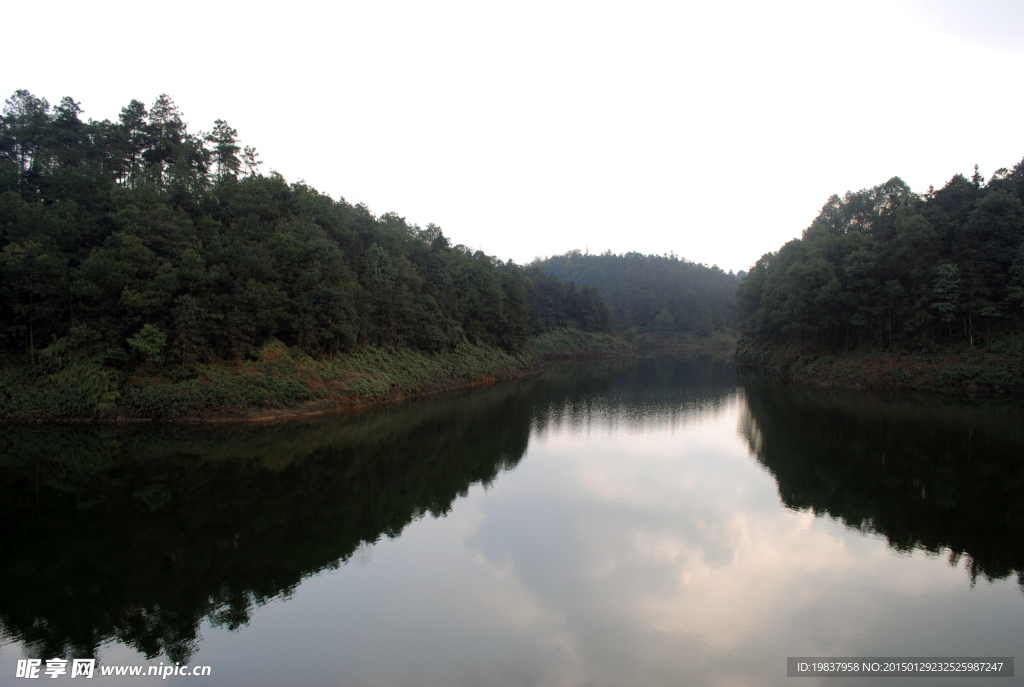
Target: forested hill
(138, 242)
(890, 269)
(654, 293)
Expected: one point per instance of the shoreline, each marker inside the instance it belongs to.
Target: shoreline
(339, 407)
(279, 384)
(961, 371)
(225, 392)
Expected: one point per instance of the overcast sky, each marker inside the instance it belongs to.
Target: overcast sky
(715, 130)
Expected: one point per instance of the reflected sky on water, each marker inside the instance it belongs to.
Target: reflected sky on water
(652, 522)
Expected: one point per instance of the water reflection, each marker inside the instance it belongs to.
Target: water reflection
(652, 395)
(138, 534)
(601, 524)
(937, 475)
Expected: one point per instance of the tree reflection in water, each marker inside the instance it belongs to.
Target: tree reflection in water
(139, 534)
(925, 473)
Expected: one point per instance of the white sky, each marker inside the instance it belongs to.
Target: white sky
(715, 130)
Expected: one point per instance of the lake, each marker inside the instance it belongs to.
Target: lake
(661, 521)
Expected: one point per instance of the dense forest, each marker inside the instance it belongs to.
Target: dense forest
(889, 269)
(138, 242)
(653, 293)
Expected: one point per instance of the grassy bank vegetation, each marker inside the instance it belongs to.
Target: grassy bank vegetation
(994, 369)
(281, 381)
(718, 341)
(569, 342)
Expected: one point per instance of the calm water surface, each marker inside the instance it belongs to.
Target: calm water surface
(654, 522)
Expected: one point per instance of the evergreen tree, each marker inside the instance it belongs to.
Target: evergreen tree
(137, 243)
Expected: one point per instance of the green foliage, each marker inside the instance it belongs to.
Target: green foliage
(946, 292)
(664, 321)
(716, 342)
(73, 377)
(174, 247)
(887, 268)
(570, 342)
(900, 376)
(149, 343)
(280, 380)
(652, 292)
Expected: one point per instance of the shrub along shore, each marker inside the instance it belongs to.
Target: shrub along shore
(569, 344)
(996, 369)
(281, 382)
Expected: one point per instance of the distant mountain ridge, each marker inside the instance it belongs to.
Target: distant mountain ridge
(654, 293)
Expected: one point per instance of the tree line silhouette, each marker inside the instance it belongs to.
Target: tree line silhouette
(885, 267)
(654, 293)
(138, 241)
